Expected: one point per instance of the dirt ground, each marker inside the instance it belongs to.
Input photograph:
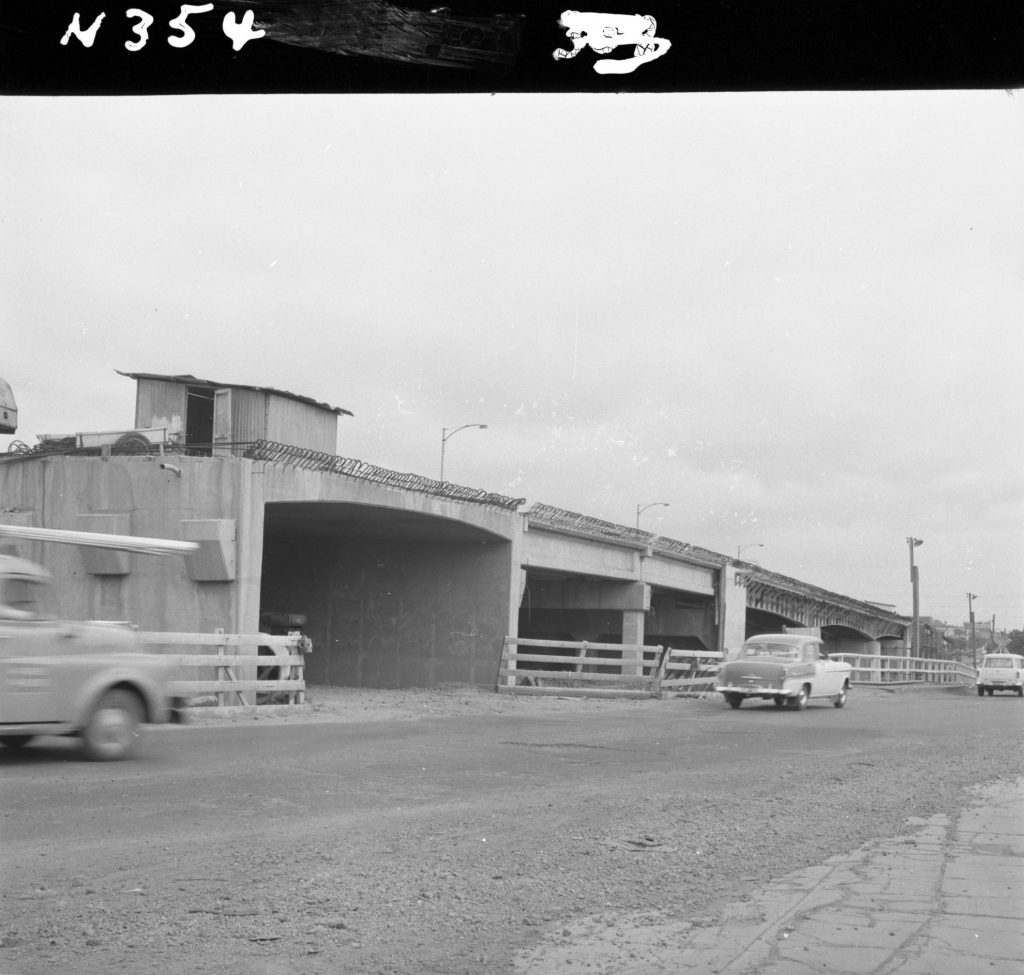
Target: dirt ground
(366, 704)
(466, 884)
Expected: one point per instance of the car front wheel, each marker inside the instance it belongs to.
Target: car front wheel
(734, 700)
(112, 731)
(840, 699)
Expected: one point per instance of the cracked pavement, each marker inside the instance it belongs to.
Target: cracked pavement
(948, 899)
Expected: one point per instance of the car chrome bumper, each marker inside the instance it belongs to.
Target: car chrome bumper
(751, 690)
(177, 710)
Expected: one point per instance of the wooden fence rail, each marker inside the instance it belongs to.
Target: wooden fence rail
(584, 669)
(581, 670)
(690, 672)
(246, 666)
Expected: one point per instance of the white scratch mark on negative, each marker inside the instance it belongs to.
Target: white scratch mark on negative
(605, 32)
(576, 339)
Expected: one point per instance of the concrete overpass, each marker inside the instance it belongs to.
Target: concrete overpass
(593, 580)
(401, 580)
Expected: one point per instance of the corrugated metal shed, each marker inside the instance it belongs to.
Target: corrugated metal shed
(162, 402)
(292, 422)
(209, 415)
(187, 380)
(249, 413)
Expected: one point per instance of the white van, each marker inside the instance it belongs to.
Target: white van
(1001, 672)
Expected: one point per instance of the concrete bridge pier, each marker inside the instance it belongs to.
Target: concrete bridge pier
(861, 645)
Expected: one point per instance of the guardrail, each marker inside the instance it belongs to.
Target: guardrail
(586, 669)
(278, 663)
(870, 669)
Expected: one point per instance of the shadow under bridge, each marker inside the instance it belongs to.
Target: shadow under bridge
(391, 597)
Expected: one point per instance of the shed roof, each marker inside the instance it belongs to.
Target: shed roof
(187, 380)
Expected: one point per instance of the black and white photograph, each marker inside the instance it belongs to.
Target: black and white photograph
(506, 490)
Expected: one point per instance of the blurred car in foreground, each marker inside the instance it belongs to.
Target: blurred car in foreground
(787, 668)
(86, 679)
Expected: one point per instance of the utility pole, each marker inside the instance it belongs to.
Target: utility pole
(971, 596)
(915, 633)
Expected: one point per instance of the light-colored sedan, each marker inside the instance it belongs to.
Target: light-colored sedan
(787, 668)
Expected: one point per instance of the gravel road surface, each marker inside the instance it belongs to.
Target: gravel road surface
(392, 833)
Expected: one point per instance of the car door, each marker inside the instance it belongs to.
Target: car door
(830, 674)
(813, 668)
(29, 648)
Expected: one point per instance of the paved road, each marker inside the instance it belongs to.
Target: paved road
(529, 811)
(191, 780)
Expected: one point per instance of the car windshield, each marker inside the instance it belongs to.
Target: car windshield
(785, 650)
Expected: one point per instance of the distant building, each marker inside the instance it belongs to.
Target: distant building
(935, 643)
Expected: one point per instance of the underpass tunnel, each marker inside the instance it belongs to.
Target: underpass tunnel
(763, 621)
(548, 612)
(681, 620)
(574, 608)
(845, 639)
(392, 598)
(838, 638)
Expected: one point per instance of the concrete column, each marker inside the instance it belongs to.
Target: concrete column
(632, 633)
(516, 590)
(732, 611)
(249, 528)
(866, 669)
(517, 576)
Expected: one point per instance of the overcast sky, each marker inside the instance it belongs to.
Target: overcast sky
(796, 318)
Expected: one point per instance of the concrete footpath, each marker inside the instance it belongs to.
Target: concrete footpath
(945, 899)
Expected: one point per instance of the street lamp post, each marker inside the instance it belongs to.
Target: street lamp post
(915, 633)
(971, 596)
(447, 435)
(640, 508)
(740, 549)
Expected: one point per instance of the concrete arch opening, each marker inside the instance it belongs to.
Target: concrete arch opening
(847, 639)
(764, 621)
(391, 597)
(681, 620)
(558, 605)
(563, 606)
